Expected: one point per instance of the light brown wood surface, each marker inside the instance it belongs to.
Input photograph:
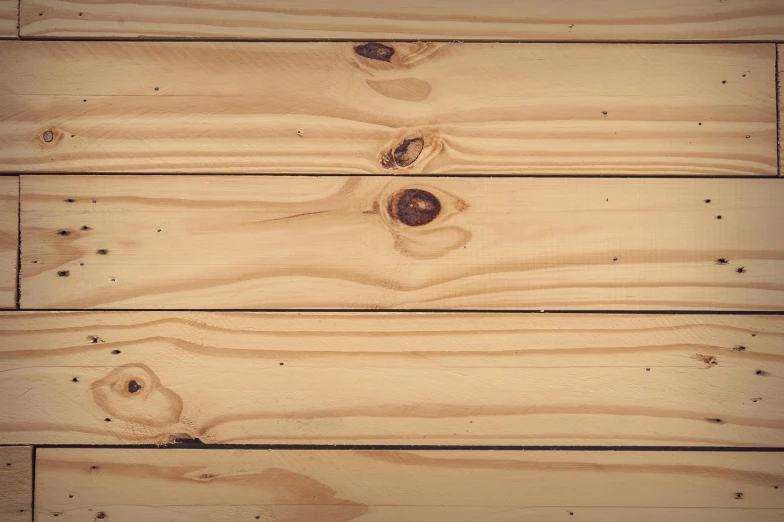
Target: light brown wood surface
(128, 485)
(16, 484)
(331, 242)
(526, 20)
(431, 108)
(386, 378)
(9, 239)
(9, 18)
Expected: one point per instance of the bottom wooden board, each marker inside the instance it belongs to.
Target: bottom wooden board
(178, 485)
(16, 483)
(9, 239)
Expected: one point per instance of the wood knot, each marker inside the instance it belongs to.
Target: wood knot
(404, 154)
(414, 207)
(133, 386)
(48, 136)
(375, 51)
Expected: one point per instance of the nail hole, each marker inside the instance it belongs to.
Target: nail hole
(63, 273)
(740, 348)
(722, 261)
(718, 217)
(740, 270)
(116, 352)
(63, 233)
(102, 251)
(707, 201)
(739, 496)
(75, 379)
(107, 419)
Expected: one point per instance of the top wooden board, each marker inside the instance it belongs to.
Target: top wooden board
(350, 108)
(9, 18)
(520, 20)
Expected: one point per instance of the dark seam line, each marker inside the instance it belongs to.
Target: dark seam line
(32, 496)
(462, 41)
(416, 447)
(18, 296)
(457, 311)
(394, 175)
(19, 19)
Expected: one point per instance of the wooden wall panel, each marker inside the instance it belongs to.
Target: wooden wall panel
(331, 242)
(9, 239)
(348, 108)
(569, 20)
(9, 18)
(127, 485)
(16, 484)
(377, 378)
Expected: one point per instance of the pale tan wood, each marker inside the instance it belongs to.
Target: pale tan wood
(128, 485)
(386, 378)
(9, 18)
(341, 108)
(16, 483)
(9, 239)
(526, 20)
(331, 242)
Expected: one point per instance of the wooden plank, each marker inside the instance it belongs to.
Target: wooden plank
(9, 18)
(16, 484)
(288, 485)
(386, 378)
(365, 243)
(9, 239)
(779, 75)
(522, 20)
(348, 108)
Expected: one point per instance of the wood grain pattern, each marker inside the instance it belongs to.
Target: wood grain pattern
(780, 70)
(350, 108)
(9, 239)
(344, 242)
(522, 20)
(16, 484)
(128, 485)
(379, 378)
(9, 18)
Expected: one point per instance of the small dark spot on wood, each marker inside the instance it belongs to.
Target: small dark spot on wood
(159, 230)
(7, 463)
(85, 101)
(571, 513)
(94, 467)
(113, 280)
(742, 75)
(740, 270)
(375, 51)
(157, 89)
(740, 348)
(718, 217)
(63, 273)
(207, 475)
(80, 14)
(281, 364)
(713, 420)
(107, 419)
(707, 201)
(94, 339)
(70, 200)
(85, 227)
(75, 379)
(35, 262)
(258, 517)
(738, 496)
(40, 14)
(747, 136)
(81, 264)
(94, 201)
(604, 112)
(63, 233)
(70, 496)
(615, 259)
(700, 123)
(133, 386)
(722, 261)
(115, 352)
(754, 335)
(756, 399)
(724, 81)
(647, 369)
(707, 359)
(102, 252)
(761, 372)
(775, 487)
(414, 207)
(56, 514)
(101, 515)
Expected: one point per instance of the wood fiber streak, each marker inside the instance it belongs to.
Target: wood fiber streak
(392, 486)
(16, 484)
(9, 239)
(521, 20)
(376, 378)
(392, 108)
(308, 242)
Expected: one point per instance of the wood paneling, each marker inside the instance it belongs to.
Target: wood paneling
(377, 378)
(9, 18)
(569, 20)
(365, 243)
(779, 75)
(9, 239)
(350, 108)
(16, 484)
(181, 485)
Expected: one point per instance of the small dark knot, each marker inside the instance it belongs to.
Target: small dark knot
(414, 207)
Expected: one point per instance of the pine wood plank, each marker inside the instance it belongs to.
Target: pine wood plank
(348, 108)
(9, 18)
(331, 242)
(526, 20)
(9, 239)
(385, 378)
(334, 486)
(16, 484)
(780, 74)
